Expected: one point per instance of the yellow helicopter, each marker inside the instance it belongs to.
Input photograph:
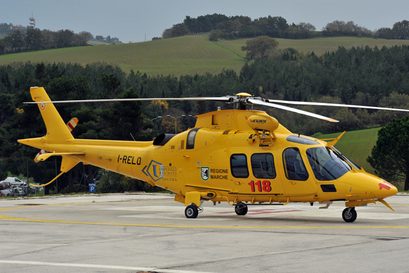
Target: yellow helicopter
(239, 156)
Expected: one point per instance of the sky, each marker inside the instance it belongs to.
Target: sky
(139, 20)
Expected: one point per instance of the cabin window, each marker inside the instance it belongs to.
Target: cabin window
(326, 164)
(191, 137)
(263, 165)
(238, 164)
(293, 165)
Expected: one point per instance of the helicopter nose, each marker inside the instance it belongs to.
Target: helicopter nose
(366, 186)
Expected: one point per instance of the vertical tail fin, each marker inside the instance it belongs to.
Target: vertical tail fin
(57, 131)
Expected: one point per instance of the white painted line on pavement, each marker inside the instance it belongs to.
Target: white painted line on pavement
(97, 266)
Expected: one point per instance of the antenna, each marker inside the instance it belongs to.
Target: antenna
(32, 21)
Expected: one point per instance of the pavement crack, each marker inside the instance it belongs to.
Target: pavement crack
(265, 254)
(34, 251)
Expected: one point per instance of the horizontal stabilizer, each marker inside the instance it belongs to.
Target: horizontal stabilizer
(44, 157)
(71, 124)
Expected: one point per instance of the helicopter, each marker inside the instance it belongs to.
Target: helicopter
(240, 156)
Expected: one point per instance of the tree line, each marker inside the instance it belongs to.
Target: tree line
(370, 76)
(6, 29)
(234, 27)
(15, 39)
(29, 39)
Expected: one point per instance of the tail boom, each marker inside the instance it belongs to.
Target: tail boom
(106, 154)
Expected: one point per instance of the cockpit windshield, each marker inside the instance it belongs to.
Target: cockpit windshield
(343, 157)
(326, 163)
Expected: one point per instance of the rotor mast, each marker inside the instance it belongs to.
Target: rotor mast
(241, 100)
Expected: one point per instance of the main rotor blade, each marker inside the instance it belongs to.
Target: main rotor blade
(132, 99)
(298, 111)
(337, 105)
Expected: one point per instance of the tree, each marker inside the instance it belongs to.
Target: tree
(16, 40)
(48, 39)
(306, 26)
(390, 156)
(204, 23)
(175, 31)
(272, 26)
(260, 47)
(385, 33)
(64, 38)
(302, 30)
(401, 30)
(5, 29)
(215, 35)
(345, 28)
(33, 39)
(2, 47)
(85, 36)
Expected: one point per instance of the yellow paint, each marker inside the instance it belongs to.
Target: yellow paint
(262, 122)
(202, 172)
(177, 226)
(334, 141)
(243, 94)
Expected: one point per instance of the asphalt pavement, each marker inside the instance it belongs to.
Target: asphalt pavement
(149, 233)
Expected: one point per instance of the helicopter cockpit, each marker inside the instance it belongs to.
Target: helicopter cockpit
(326, 164)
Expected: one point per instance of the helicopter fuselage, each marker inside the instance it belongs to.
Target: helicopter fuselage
(233, 164)
(235, 156)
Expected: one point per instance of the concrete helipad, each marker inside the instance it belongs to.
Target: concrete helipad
(149, 233)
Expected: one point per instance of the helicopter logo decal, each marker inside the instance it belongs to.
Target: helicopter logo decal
(384, 186)
(204, 173)
(154, 170)
(42, 106)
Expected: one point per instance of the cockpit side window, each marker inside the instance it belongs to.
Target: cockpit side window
(238, 165)
(191, 137)
(293, 165)
(262, 165)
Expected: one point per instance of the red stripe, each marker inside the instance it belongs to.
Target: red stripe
(70, 125)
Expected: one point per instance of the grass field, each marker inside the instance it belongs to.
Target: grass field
(356, 145)
(182, 55)
(320, 45)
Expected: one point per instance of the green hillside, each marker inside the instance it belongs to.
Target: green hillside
(356, 145)
(320, 45)
(182, 55)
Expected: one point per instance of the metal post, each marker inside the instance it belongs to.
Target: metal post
(176, 124)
